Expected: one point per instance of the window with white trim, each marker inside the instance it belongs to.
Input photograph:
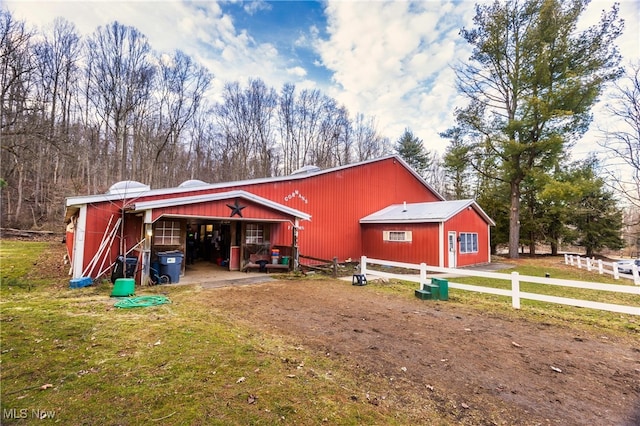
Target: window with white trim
(254, 233)
(167, 233)
(468, 242)
(398, 236)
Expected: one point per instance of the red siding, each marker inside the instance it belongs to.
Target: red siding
(336, 202)
(98, 216)
(470, 221)
(423, 247)
(219, 210)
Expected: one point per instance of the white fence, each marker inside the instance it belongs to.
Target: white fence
(610, 268)
(515, 279)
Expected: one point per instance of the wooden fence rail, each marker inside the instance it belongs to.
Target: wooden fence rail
(515, 279)
(602, 267)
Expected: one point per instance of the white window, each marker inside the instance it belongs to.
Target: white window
(255, 233)
(468, 242)
(401, 236)
(167, 233)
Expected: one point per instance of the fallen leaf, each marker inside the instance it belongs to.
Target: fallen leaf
(465, 406)
(241, 379)
(556, 369)
(46, 386)
(252, 399)
(516, 345)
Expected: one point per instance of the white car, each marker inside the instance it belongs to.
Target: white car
(625, 266)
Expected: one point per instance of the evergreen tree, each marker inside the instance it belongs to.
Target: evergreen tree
(531, 82)
(411, 149)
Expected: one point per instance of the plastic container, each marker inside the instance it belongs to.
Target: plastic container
(80, 282)
(124, 287)
(274, 260)
(285, 260)
(171, 264)
(119, 268)
(443, 287)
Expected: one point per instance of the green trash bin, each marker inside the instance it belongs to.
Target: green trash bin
(443, 287)
(285, 260)
(124, 287)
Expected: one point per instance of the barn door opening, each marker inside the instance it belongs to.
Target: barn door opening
(452, 250)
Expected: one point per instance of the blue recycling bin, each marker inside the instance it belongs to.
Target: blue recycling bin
(171, 264)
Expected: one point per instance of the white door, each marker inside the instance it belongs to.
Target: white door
(452, 249)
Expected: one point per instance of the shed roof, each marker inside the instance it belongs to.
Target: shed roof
(304, 174)
(193, 199)
(438, 211)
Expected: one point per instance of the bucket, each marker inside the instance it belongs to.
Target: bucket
(124, 287)
(285, 260)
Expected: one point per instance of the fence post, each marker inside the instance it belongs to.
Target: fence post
(616, 274)
(515, 290)
(588, 264)
(634, 271)
(566, 259)
(600, 269)
(579, 262)
(363, 265)
(423, 275)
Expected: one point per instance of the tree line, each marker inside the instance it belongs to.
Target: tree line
(78, 114)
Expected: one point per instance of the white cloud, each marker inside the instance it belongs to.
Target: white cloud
(392, 61)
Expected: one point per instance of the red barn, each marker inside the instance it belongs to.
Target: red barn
(378, 208)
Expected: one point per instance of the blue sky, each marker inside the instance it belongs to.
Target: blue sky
(388, 60)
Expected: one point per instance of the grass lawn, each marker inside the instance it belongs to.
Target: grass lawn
(622, 324)
(70, 355)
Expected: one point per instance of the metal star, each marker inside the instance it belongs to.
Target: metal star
(236, 208)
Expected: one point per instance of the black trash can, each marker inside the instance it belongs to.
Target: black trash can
(119, 268)
(171, 264)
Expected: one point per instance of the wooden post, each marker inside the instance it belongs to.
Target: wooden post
(515, 290)
(363, 265)
(423, 275)
(600, 268)
(335, 267)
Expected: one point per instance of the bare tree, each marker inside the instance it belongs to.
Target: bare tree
(16, 79)
(120, 83)
(623, 140)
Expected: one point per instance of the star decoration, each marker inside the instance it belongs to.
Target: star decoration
(236, 208)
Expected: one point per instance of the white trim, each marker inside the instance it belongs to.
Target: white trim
(441, 244)
(193, 199)
(78, 242)
(489, 243)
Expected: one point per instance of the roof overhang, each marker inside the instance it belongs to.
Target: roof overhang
(141, 206)
(429, 212)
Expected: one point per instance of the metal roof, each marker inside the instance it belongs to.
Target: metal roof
(97, 198)
(170, 202)
(437, 211)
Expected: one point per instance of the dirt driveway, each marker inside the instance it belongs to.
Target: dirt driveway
(473, 368)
